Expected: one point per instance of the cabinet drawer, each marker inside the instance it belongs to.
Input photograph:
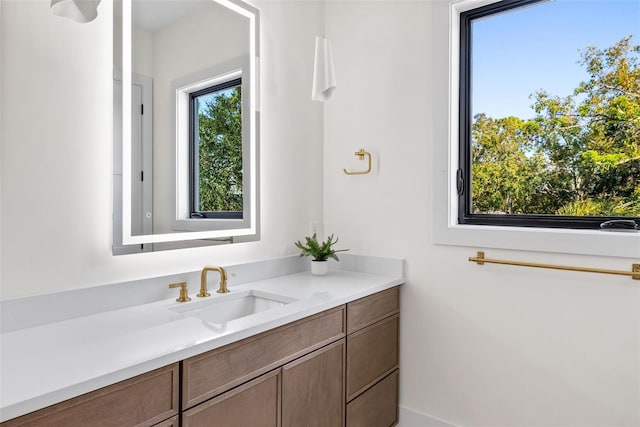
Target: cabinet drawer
(255, 404)
(371, 354)
(368, 310)
(141, 401)
(376, 407)
(212, 373)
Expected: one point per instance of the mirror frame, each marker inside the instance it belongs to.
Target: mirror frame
(249, 233)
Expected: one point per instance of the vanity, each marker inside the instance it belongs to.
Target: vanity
(326, 356)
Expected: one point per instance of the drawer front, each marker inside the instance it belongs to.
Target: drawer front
(212, 373)
(141, 401)
(377, 407)
(371, 354)
(368, 310)
(255, 404)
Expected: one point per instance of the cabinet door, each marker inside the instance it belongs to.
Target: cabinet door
(313, 388)
(255, 404)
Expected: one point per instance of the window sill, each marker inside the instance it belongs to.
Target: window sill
(579, 242)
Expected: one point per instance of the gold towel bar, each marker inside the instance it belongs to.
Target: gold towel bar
(634, 273)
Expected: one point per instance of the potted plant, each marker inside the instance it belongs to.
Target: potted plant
(320, 252)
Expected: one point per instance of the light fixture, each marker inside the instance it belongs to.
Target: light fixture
(81, 11)
(324, 76)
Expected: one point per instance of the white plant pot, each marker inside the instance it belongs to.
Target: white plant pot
(319, 268)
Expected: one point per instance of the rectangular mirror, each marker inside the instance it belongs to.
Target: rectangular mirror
(185, 123)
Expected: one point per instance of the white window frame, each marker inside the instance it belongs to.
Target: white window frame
(446, 230)
(181, 89)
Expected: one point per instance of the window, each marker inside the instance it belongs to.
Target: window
(549, 114)
(216, 179)
(215, 143)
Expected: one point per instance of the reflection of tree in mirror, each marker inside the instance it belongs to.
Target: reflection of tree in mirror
(220, 152)
(580, 154)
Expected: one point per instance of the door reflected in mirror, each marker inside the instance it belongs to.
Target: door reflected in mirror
(185, 120)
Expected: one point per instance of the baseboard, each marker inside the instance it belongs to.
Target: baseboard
(411, 418)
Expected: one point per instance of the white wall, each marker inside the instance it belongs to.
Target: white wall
(142, 45)
(480, 346)
(56, 150)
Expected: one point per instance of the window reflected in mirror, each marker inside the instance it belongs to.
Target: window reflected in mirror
(215, 118)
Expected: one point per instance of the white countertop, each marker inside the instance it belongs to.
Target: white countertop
(46, 364)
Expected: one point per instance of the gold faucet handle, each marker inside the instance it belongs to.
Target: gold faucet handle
(183, 291)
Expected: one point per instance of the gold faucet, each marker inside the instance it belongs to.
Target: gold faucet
(183, 291)
(203, 280)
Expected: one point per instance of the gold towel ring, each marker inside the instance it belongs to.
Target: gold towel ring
(361, 153)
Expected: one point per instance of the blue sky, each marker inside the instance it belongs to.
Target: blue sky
(203, 100)
(520, 52)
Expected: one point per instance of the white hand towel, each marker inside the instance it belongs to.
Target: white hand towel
(324, 77)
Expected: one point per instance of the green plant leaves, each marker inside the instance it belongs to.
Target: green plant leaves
(320, 251)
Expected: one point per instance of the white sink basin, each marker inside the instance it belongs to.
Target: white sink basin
(235, 305)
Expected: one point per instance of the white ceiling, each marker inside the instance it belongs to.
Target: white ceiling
(153, 15)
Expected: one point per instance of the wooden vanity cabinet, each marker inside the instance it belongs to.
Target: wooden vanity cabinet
(146, 400)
